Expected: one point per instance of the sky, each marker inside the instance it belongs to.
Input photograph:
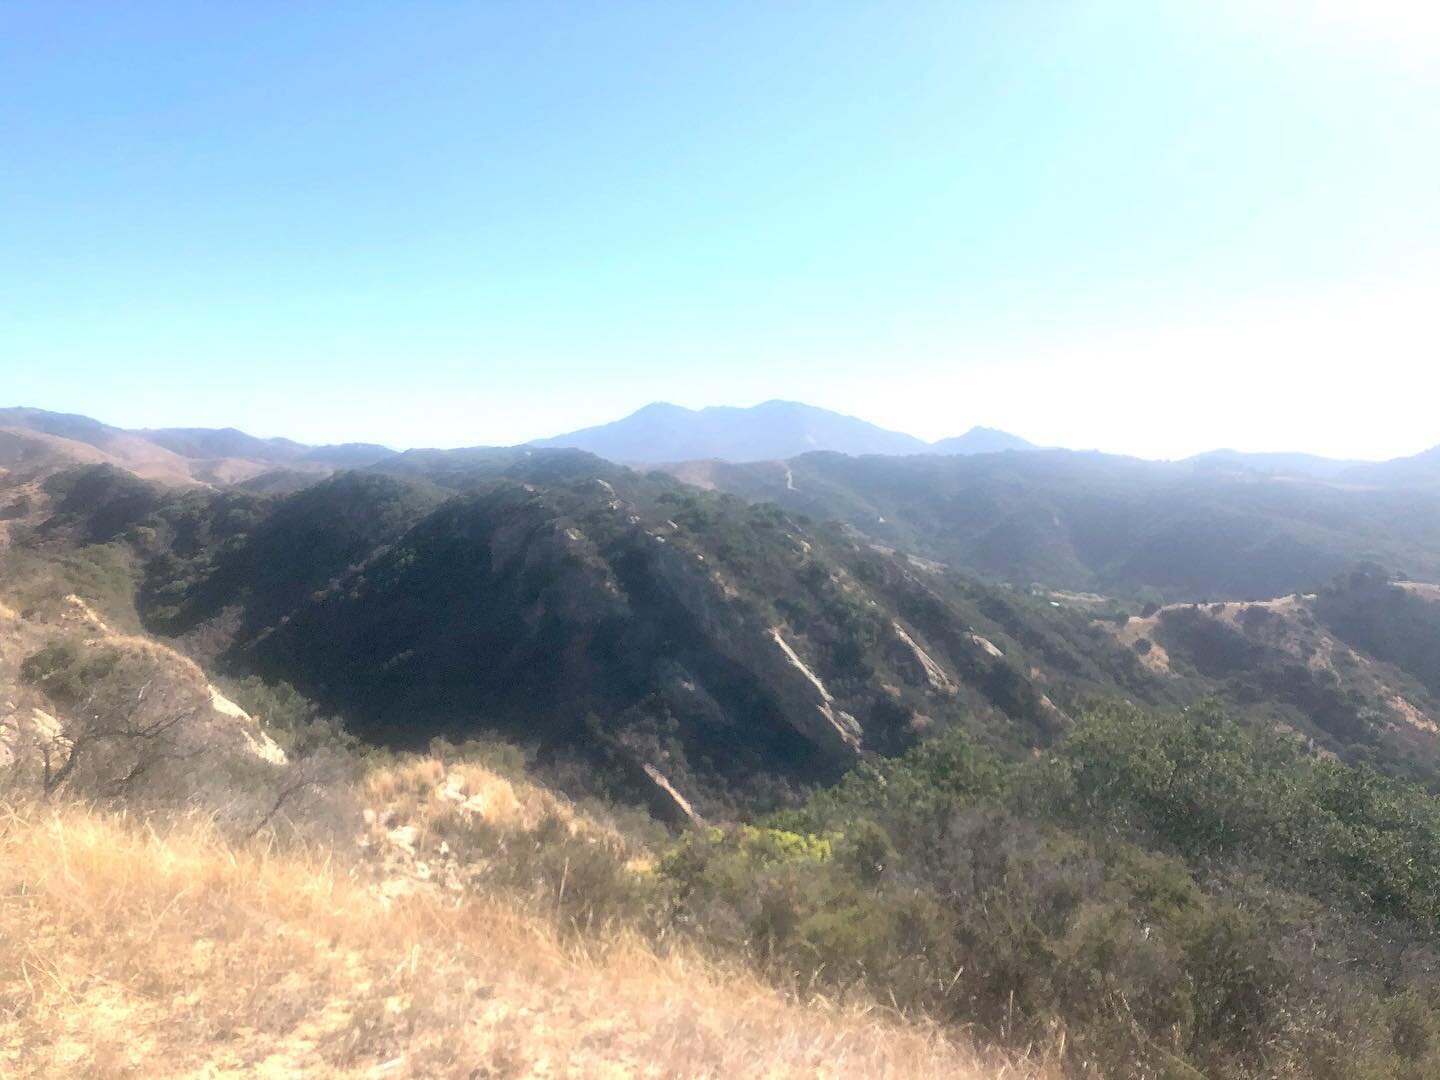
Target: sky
(1148, 228)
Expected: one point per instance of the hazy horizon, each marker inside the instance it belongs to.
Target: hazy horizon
(1146, 229)
(362, 439)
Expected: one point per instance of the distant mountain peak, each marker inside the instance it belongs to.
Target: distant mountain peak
(982, 440)
(775, 429)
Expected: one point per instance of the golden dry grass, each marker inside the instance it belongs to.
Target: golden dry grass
(428, 792)
(131, 951)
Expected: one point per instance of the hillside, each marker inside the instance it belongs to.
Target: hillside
(1224, 525)
(353, 982)
(756, 757)
(667, 641)
(981, 440)
(1159, 893)
(708, 656)
(1085, 521)
(190, 898)
(34, 438)
(1352, 668)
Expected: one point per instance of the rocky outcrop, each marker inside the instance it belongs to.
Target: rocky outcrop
(934, 674)
(814, 711)
(678, 804)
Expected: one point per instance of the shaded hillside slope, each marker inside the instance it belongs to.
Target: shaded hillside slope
(647, 629)
(688, 649)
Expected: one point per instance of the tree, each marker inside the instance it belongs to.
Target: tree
(115, 720)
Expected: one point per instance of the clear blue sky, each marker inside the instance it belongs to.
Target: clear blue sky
(1147, 226)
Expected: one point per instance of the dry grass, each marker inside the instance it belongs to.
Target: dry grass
(432, 794)
(130, 951)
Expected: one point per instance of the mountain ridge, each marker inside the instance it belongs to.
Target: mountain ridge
(661, 432)
(179, 456)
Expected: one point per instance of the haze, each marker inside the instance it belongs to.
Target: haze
(1147, 228)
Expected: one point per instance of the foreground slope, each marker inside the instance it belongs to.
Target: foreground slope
(172, 952)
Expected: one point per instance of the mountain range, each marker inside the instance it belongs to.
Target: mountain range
(658, 434)
(747, 642)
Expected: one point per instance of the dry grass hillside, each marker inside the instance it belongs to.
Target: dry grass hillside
(137, 950)
(1289, 649)
(33, 439)
(22, 447)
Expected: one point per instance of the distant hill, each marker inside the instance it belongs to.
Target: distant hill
(1422, 470)
(1307, 466)
(982, 440)
(1188, 530)
(36, 438)
(203, 443)
(1419, 470)
(775, 429)
(224, 443)
(1221, 525)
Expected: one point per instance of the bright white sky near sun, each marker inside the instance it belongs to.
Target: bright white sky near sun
(1152, 228)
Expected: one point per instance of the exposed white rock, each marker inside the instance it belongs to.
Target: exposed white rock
(679, 801)
(259, 743)
(453, 789)
(404, 837)
(798, 664)
(838, 722)
(986, 646)
(934, 673)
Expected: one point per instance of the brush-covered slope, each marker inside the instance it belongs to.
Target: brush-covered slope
(681, 643)
(1091, 521)
(168, 950)
(189, 899)
(1352, 667)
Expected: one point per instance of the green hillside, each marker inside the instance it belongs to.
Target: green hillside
(1185, 530)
